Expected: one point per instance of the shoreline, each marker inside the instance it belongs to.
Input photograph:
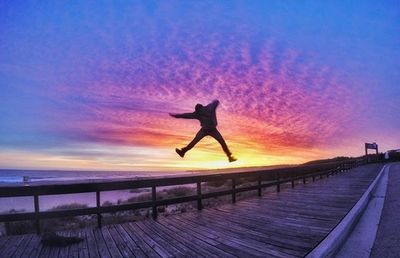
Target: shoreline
(89, 180)
(52, 177)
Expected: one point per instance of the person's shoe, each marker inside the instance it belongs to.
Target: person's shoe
(180, 152)
(232, 159)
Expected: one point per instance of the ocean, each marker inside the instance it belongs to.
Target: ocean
(25, 204)
(12, 176)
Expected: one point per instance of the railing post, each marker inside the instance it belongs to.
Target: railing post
(259, 186)
(313, 178)
(233, 190)
(278, 179)
(199, 204)
(154, 200)
(37, 219)
(304, 180)
(292, 183)
(98, 209)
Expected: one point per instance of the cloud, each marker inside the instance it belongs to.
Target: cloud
(112, 81)
(272, 95)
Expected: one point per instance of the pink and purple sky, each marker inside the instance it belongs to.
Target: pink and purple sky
(89, 84)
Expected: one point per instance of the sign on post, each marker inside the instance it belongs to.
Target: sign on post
(372, 146)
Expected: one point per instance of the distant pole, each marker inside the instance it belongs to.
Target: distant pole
(233, 190)
(154, 201)
(37, 221)
(98, 205)
(199, 204)
(278, 179)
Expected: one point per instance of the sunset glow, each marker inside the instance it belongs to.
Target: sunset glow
(86, 85)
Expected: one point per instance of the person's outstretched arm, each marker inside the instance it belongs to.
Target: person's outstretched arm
(214, 104)
(184, 115)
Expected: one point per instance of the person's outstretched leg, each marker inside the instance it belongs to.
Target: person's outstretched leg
(200, 135)
(217, 136)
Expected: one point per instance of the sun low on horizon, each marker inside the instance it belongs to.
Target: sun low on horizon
(90, 85)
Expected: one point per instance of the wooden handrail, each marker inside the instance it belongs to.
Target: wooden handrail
(274, 177)
(53, 189)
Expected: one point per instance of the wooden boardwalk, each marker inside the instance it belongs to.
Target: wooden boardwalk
(285, 224)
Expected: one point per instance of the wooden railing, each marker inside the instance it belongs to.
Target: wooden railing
(263, 179)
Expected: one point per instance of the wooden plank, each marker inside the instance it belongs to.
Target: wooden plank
(3, 240)
(91, 244)
(186, 235)
(164, 245)
(148, 240)
(64, 251)
(101, 244)
(171, 238)
(283, 204)
(279, 205)
(11, 245)
(44, 252)
(222, 243)
(250, 238)
(54, 252)
(270, 211)
(112, 247)
(241, 246)
(21, 248)
(82, 246)
(288, 228)
(309, 199)
(120, 243)
(278, 224)
(306, 211)
(274, 225)
(138, 240)
(132, 245)
(116, 185)
(273, 207)
(73, 248)
(292, 222)
(300, 214)
(291, 214)
(11, 191)
(274, 236)
(33, 248)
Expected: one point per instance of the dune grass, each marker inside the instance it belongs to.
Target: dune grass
(68, 223)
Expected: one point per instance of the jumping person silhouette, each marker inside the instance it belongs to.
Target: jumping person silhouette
(208, 120)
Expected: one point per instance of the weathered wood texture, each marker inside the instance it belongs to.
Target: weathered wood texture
(289, 223)
(265, 178)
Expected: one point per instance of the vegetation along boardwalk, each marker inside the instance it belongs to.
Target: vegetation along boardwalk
(289, 223)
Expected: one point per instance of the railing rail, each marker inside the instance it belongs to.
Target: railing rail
(263, 179)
